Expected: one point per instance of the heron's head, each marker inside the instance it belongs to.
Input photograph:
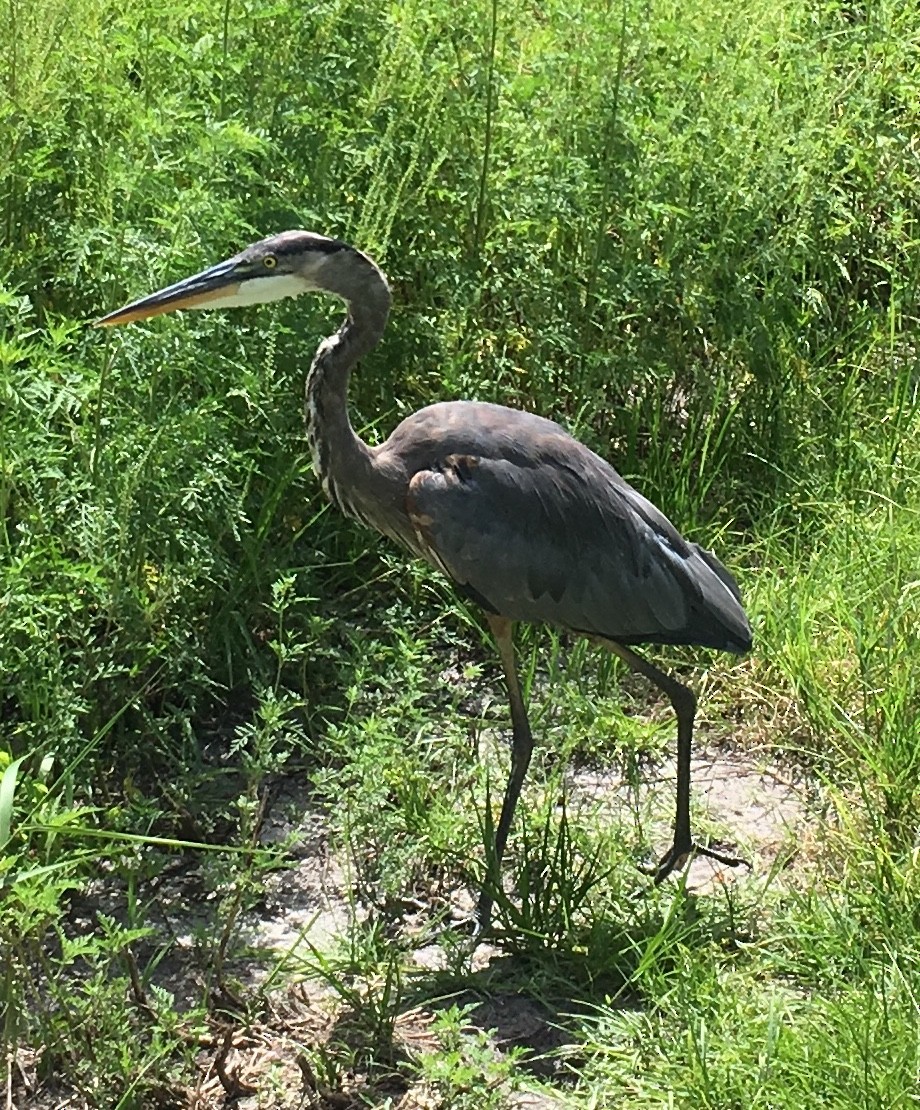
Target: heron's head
(282, 265)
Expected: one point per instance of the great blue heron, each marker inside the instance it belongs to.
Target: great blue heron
(522, 519)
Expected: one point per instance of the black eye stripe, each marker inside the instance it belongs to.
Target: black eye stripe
(297, 242)
(287, 245)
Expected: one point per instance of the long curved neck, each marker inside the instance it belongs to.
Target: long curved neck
(342, 461)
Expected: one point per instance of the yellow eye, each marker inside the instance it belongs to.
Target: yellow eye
(269, 262)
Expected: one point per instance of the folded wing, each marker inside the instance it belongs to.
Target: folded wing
(560, 537)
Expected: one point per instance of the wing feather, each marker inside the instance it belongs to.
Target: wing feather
(560, 537)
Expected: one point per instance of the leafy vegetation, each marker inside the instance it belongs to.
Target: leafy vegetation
(691, 237)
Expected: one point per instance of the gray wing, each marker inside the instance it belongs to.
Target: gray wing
(568, 542)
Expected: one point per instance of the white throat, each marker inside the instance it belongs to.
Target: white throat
(261, 290)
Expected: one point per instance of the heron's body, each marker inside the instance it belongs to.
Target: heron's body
(534, 526)
(521, 517)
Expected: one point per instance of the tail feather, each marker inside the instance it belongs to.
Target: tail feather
(722, 599)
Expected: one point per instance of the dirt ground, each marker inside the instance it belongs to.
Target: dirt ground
(267, 1059)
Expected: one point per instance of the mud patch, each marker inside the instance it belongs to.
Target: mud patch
(297, 1045)
(739, 804)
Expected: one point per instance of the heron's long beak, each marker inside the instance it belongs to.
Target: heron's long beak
(216, 286)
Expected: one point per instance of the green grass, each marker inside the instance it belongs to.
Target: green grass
(690, 236)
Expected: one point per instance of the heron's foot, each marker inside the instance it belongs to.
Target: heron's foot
(465, 929)
(680, 853)
(463, 925)
(459, 929)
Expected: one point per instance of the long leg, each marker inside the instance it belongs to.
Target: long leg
(683, 700)
(521, 749)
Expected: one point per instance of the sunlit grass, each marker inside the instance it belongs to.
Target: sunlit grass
(692, 240)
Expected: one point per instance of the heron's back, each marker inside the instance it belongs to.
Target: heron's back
(536, 527)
